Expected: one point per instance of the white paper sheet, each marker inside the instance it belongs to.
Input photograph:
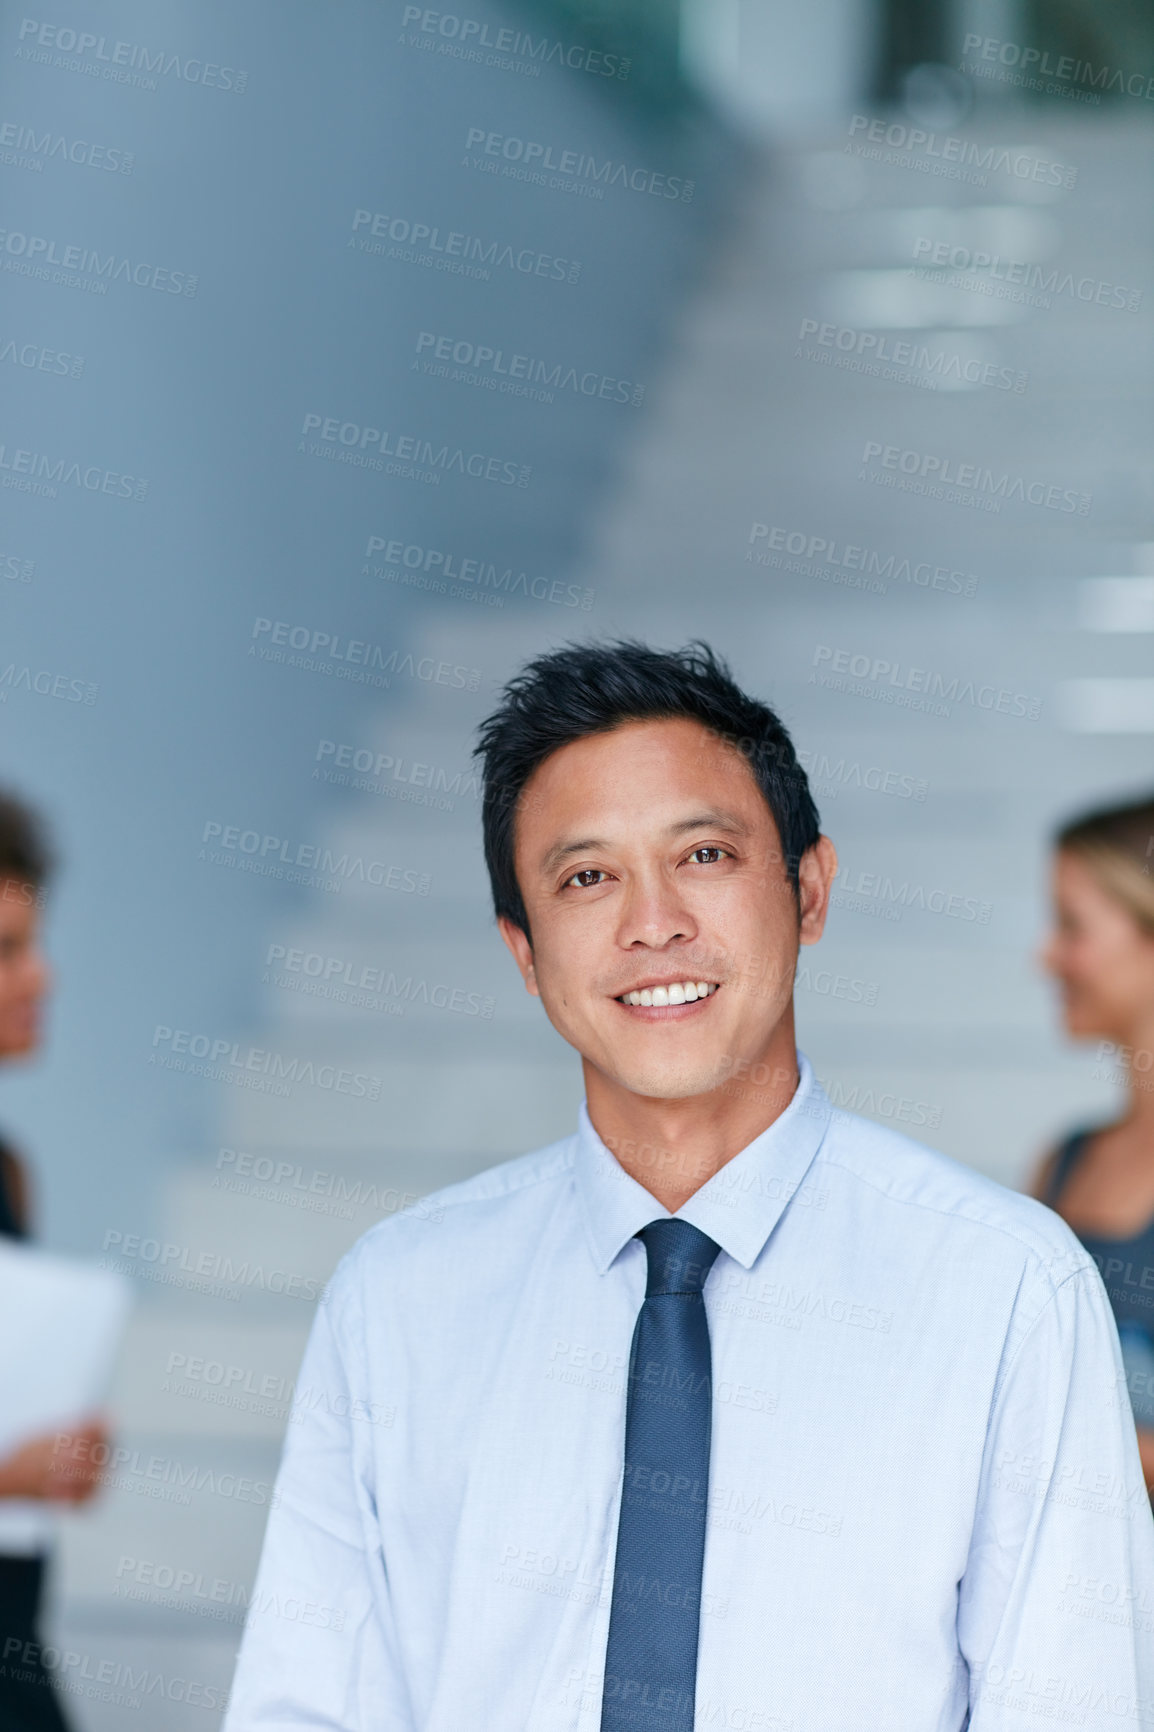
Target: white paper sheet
(61, 1321)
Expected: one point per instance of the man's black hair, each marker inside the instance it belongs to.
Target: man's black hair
(26, 855)
(591, 688)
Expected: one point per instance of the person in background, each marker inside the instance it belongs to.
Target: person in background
(1100, 1179)
(37, 1469)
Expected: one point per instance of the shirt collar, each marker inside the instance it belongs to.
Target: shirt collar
(738, 1207)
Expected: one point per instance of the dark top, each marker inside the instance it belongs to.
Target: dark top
(1126, 1265)
(10, 1227)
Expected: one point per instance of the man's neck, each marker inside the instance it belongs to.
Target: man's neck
(673, 1147)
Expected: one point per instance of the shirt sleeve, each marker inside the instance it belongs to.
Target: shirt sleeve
(317, 1648)
(1056, 1606)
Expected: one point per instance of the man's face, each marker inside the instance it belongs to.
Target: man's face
(24, 977)
(648, 858)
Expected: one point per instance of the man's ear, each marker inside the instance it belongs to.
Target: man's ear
(815, 875)
(522, 951)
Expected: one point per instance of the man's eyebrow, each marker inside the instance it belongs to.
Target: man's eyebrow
(562, 850)
(714, 820)
(718, 820)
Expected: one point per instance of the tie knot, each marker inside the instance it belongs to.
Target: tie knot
(680, 1257)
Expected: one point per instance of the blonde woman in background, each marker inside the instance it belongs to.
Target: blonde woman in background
(1100, 1179)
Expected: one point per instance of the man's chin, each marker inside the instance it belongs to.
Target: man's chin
(657, 1083)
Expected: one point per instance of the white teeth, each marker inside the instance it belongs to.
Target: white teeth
(679, 992)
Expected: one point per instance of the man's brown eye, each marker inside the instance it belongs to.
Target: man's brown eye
(709, 849)
(586, 872)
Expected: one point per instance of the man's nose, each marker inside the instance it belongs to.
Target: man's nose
(655, 915)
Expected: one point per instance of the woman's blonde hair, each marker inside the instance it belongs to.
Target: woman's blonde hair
(1117, 844)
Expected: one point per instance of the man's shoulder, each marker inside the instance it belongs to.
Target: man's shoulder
(924, 1185)
(448, 1223)
(503, 1184)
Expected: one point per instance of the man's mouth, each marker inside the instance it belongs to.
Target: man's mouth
(671, 992)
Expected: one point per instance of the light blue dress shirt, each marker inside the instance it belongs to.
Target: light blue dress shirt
(926, 1500)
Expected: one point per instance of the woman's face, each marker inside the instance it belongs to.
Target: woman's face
(24, 975)
(1100, 957)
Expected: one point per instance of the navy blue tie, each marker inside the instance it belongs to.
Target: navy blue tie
(651, 1657)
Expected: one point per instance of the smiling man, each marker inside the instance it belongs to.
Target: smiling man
(728, 1410)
